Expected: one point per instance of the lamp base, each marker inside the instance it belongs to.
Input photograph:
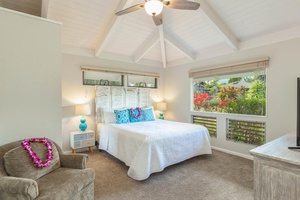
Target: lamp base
(82, 125)
(161, 116)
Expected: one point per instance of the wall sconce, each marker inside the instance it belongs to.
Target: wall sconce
(82, 109)
(161, 106)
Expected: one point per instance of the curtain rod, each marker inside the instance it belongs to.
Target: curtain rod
(95, 69)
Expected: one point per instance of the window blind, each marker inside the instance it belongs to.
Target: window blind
(229, 69)
(94, 69)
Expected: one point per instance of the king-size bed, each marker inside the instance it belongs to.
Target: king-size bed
(150, 145)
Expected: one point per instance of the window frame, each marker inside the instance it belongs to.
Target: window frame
(233, 114)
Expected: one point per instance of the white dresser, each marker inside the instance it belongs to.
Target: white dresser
(81, 139)
(277, 170)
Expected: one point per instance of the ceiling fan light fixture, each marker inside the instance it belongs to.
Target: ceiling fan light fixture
(154, 7)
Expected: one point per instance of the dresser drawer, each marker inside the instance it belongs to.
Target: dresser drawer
(77, 144)
(82, 136)
(90, 135)
(88, 143)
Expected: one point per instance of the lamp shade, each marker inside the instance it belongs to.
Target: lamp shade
(162, 106)
(154, 7)
(82, 109)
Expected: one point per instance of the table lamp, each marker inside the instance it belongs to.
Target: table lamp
(82, 109)
(161, 106)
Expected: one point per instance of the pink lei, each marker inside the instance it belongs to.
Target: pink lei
(32, 155)
(139, 111)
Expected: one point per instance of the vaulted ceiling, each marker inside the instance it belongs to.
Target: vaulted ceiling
(218, 27)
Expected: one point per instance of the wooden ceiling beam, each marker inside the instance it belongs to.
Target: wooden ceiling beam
(162, 45)
(170, 39)
(219, 25)
(144, 49)
(112, 25)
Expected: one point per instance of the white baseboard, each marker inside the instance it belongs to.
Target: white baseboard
(233, 153)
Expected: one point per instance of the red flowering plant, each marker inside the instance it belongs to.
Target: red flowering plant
(228, 96)
(223, 103)
(201, 99)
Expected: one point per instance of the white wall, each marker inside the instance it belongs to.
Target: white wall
(30, 78)
(73, 92)
(281, 91)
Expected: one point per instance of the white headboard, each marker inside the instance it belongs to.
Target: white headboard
(119, 97)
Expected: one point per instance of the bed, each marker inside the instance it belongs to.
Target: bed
(149, 147)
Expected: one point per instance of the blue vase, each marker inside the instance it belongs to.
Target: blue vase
(82, 125)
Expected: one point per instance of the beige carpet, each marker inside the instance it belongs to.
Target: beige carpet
(208, 177)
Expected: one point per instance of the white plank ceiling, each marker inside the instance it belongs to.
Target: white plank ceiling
(218, 27)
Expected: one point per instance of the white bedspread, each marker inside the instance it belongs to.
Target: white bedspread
(148, 147)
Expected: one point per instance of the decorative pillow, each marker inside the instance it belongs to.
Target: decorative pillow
(148, 114)
(122, 116)
(135, 115)
(18, 164)
(109, 116)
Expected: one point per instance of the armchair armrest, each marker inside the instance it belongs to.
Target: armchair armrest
(18, 188)
(75, 161)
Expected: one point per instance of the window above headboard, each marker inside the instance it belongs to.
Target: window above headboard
(108, 77)
(96, 78)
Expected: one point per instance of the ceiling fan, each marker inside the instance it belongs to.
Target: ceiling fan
(155, 7)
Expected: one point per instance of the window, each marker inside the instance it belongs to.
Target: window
(246, 131)
(237, 89)
(108, 79)
(240, 90)
(141, 81)
(209, 122)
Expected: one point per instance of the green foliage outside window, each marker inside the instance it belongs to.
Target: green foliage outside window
(240, 95)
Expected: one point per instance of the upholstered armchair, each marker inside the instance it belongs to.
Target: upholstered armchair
(66, 178)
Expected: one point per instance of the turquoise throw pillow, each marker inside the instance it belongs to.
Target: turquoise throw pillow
(148, 115)
(136, 113)
(122, 116)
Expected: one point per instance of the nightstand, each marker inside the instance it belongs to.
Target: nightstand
(81, 139)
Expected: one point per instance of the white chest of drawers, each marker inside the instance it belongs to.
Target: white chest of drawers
(81, 139)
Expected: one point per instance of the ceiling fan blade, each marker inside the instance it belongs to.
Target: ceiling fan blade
(158, 19)
(130, 9)
(185, 5)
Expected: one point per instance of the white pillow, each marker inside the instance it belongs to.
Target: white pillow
(109, 116)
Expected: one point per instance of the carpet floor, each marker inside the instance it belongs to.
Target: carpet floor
(206, 177)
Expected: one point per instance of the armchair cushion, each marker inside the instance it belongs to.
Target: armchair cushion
(18, 164)
(18, 188)
(75, 161)
(72, 180)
